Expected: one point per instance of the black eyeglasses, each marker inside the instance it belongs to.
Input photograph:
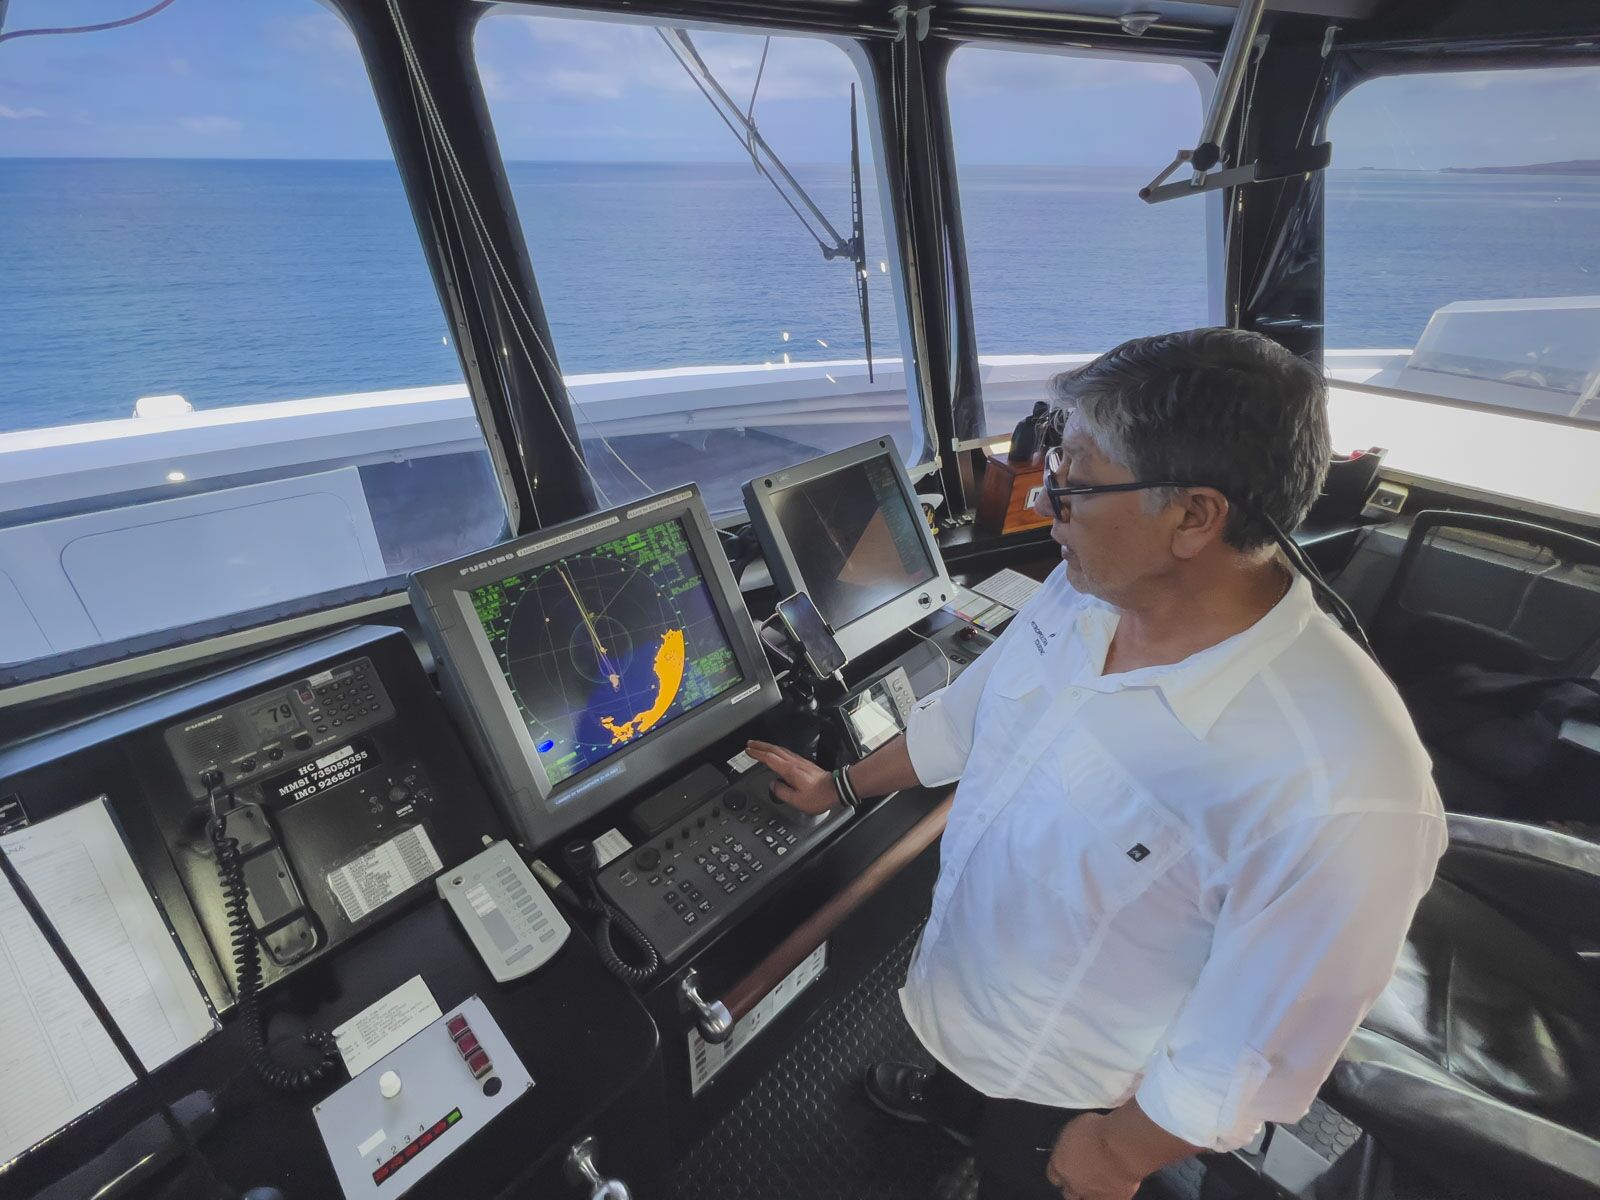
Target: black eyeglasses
(1055, 462)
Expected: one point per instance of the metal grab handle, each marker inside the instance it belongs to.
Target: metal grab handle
(582, 1171)
(712, 1018)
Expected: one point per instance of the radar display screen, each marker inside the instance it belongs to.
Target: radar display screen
(603, 646)
(854, 538)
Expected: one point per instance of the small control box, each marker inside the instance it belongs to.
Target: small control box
(420, 1103)
(507, 915)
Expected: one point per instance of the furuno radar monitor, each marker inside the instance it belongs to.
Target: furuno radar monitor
(847, 529)
(587, 659)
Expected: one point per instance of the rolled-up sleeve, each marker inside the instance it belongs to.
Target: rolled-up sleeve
(1311, 925)
(939, 729)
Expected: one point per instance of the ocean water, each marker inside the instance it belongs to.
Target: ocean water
(234, 282)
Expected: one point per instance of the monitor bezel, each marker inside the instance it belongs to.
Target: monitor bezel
(480, 698)
(884, 622)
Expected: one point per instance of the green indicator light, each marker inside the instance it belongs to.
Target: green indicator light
(454, 1116)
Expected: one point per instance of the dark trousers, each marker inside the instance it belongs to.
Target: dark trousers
(1012, 1139)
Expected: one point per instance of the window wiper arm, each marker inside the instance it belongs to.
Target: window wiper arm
(741, 124)
(858, 235)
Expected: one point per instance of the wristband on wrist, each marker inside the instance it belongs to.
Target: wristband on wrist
(847, 793)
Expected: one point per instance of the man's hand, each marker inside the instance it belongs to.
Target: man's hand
(1084, 1166)
(801, 784)
(1108, 1157)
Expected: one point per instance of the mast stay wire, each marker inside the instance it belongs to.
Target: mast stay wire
(498, 272)
(448, 206)
(117, 24)
(750, 112)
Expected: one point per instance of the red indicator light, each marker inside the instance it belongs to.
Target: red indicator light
(381, 1174)
(457, 1026)
(479, 1064)
(414, 1149)
(467, 1044)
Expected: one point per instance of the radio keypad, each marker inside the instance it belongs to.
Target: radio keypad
(705, 866)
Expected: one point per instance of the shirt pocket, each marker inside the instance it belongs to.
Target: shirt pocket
(1120, 841)
(1019, 678)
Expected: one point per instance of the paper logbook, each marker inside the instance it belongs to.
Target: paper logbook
(57, 1061)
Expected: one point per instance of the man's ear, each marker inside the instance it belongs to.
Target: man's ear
(1202, 518)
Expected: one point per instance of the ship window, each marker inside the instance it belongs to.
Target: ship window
(1463, 238)
(705, 306)
(228, 392)
(1064, 259)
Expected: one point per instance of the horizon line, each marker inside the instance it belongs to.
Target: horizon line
(656, 162)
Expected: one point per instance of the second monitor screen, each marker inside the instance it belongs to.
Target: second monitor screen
(854, 538)
(603, 646)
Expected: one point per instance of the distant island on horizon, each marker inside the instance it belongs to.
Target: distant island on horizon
(1572, 166)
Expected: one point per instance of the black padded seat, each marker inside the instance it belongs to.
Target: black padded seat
(1481, 1061)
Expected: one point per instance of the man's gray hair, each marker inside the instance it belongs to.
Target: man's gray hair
(1226, 408)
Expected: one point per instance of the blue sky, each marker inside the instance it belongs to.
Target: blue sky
(282, 79)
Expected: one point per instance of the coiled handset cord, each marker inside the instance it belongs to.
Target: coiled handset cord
(582, 862)
(247, 962)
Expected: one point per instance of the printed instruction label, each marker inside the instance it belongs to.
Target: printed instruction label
(384, 1025)
(366, 884)
(610, 844)
(705, 1060)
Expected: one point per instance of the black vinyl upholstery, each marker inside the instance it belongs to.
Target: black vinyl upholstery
(1481, 1060)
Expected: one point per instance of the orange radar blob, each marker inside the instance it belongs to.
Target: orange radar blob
(669, 677)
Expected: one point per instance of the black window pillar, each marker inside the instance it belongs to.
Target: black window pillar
(1274, 229)
(905, 73)
(467, 223)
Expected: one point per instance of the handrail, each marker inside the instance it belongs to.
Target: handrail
(716, 1020)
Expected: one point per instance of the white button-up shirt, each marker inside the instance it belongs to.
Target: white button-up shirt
(1185, 884)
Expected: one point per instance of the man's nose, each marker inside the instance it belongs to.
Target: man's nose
(1041, 500)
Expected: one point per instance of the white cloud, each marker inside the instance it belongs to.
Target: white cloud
(210, 125)
(7, 113)
(982, 71)
(609, 60)
(1523, 79)
(318, 33)
(494, 81)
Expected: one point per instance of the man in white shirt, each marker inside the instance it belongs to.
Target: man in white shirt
(1193, 821)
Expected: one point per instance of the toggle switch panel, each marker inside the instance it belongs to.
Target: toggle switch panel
(415, 1106)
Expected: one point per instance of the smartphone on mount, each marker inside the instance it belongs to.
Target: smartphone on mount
(810, 632)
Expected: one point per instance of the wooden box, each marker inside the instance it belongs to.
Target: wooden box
(1003, 503)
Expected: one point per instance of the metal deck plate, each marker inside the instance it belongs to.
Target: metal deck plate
(806, 1130)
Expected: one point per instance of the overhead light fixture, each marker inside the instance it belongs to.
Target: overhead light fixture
(176, 477)
(1137, 24)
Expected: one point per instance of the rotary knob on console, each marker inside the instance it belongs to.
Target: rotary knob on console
(647, 858)
(388, 1085)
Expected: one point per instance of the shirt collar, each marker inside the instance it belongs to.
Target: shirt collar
(1199, 688)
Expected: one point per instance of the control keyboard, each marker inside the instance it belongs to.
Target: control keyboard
(683, 883)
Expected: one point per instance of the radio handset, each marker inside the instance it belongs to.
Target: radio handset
(257, 876)
(583, 863)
